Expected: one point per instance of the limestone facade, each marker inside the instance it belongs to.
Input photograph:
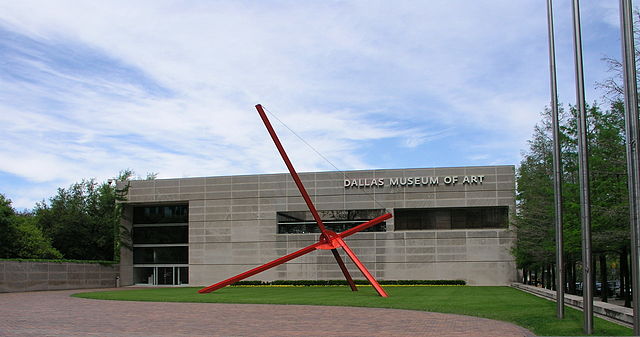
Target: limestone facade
(232, 224)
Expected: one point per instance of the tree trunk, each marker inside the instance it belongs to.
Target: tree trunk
(623, 271)
(572, 281)
(553, 277)
(566, 278)
(604, 288)
(593, 275)
(624, 264)
(535, 277)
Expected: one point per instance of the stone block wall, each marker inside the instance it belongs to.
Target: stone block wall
(233, 223)
(33, 276)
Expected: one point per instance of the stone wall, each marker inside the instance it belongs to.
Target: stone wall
(32, 276)
(233, 224)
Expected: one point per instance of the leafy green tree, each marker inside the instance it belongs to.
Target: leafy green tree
(20, 237)
(31, 242)
(609, 197)
(83, 220)
(534, 221)
(7, 228)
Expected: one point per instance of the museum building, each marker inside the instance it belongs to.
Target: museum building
(448, 223)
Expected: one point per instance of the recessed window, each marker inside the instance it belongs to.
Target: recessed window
(160, 235)
(451, 218)
(161, 255)
(301, 222)
(161, 214)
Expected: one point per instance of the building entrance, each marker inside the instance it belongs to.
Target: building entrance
(172, 275)
(160, 237)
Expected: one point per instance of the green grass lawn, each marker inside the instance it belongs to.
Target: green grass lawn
(500, 303)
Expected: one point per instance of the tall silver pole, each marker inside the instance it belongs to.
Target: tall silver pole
(583, 172)
(557, 167)
(633, 150)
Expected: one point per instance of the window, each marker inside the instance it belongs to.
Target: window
(451, 218)
(301, 222)
(161, 255)
(164, 234)
(161, 275)
(161, 214)
(161, 244)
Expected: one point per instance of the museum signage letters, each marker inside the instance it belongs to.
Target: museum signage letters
(413, 181)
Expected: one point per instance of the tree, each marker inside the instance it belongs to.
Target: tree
(83, 220)
(614, 91)
(534, 221)
(7, 230)
(534, 197)
(20, 237)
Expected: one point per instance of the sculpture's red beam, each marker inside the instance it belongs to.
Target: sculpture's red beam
(304, 251)
(312, 208)
(292, 171)
(328, 239)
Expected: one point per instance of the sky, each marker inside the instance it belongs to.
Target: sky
(90, 88)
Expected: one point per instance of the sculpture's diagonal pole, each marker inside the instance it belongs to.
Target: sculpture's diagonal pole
(328, 239)
(344, 269)
(362, 268)
(292, 171)
(365, 225)
(260, 269)
(303, 192)
(293, 255)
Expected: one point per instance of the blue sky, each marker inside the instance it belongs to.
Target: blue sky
(90, 88)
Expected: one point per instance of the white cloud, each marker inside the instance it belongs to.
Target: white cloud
(169, 87)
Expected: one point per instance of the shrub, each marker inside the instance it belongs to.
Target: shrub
(344, 282)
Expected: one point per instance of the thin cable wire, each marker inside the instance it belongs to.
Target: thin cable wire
(319, 154)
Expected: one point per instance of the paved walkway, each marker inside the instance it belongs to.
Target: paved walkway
(54, 313)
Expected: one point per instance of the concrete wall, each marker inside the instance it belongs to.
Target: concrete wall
(232, 224)
(31, 276)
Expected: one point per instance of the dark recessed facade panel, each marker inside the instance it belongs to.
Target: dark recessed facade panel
(451, 218)
(161, 214)
(301, 222)
(160, 234)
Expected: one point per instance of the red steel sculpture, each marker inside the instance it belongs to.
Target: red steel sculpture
(328, 239)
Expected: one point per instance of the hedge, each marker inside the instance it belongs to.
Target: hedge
(344, 282)
(62, 261)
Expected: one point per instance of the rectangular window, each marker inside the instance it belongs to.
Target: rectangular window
(161, 255)
(451, 218)
(160, 235)
(301, 222)
(161, 214)
(143, 275)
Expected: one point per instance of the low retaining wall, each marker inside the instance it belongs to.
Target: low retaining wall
(614, 312)
(31, 276)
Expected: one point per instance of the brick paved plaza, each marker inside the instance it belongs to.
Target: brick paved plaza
(54, 313)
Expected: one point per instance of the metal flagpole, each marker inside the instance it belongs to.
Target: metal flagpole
(633, 148)
(557, 167)
(583, 172)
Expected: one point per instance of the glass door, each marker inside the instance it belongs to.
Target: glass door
(165, 276)
(161, 275)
